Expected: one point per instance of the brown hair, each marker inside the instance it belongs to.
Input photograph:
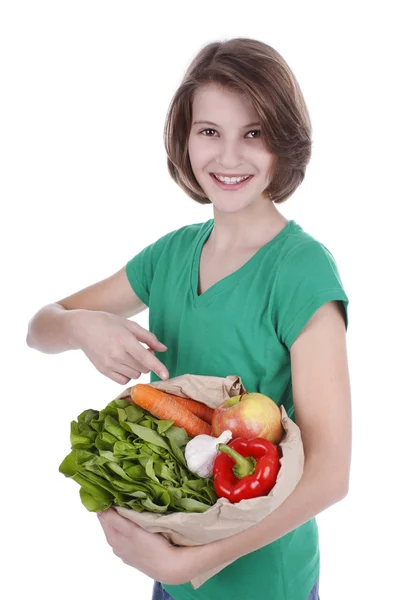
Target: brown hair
(256, 70)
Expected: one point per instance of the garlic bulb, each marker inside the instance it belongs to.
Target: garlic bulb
(201, 451)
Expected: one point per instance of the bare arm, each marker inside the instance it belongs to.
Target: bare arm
(96, 321)
(53, 328)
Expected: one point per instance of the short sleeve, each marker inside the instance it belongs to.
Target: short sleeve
(307, 279)
(141, 268)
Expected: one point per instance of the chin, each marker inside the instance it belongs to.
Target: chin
(231, 206)
(228, 209)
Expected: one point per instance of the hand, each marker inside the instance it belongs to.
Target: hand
(150, 553)
(112, 344)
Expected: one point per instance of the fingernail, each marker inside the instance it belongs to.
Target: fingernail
(164, 375)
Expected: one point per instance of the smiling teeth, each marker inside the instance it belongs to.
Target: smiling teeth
(231, 179)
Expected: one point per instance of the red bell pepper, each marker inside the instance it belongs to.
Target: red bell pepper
(245, 468)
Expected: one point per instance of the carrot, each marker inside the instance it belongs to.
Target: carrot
(199, 409)
(164, 406)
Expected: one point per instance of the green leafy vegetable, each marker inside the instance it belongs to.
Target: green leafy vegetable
(123, 456)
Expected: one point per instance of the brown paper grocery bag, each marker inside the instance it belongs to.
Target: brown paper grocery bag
(223, 519)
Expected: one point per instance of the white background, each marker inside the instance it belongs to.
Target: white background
(85, 88)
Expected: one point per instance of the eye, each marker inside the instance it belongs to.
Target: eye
(207, 130)
(255, 131)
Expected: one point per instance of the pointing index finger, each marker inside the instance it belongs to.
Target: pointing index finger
(157, 366)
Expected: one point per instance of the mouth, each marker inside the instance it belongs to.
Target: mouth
(230, 186)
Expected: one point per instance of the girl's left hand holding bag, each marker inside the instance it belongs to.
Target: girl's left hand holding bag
(150, 553)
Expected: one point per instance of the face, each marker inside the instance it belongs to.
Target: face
(225, 140)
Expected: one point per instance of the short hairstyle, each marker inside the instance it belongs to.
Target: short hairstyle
(252, 68)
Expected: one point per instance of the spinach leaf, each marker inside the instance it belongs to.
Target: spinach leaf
(124, 456)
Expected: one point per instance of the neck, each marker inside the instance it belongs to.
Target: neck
(251, 227)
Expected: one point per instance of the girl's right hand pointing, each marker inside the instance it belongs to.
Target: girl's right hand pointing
(112, 344)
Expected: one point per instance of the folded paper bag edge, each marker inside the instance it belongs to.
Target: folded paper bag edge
(208, 389)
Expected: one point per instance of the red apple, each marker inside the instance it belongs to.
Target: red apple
(248, 416)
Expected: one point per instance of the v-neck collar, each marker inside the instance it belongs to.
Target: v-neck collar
(228, 281)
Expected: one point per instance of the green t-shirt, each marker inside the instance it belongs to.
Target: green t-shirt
(243, 325)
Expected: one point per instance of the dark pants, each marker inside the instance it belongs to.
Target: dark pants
(160, 594)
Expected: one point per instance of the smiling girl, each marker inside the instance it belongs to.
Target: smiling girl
(248, 293)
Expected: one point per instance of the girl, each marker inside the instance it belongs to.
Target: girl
(248, 293)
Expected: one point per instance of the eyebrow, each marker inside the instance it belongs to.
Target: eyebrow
(215, 124)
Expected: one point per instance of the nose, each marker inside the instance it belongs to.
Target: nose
(230, 155)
